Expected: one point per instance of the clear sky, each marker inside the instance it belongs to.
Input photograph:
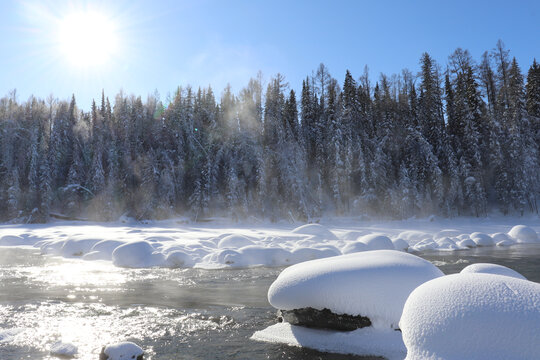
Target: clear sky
(141, 46)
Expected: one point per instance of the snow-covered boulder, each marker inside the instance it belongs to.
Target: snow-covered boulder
(377, 242)
(486, 268)
(122, 351)
(302, 254)
(103, 250)
(466, 243)
(137, 254)
(523, 234)
(446, 243)
(234, 242)
(316, 230)
(355, 246)
(374, 284)
(400, 244)
(14, 240)
(65, 350)
(77, 247)
(473, 316)
(425, 245)
(179, 259)
(482, 239)
(446, 233)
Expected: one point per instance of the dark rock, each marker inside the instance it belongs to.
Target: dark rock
(323, 319)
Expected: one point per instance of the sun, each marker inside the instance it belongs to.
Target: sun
(87, 39)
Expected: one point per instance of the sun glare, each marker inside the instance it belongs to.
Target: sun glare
(87, 39)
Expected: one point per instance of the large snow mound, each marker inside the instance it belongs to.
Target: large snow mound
(61, 349)
(373, 284)
(473, 316)
(523, 234)
(486, 268)
(366, 341)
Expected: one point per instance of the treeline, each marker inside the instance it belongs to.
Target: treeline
(459, 140)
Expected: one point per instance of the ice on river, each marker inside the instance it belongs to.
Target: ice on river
(220, 244)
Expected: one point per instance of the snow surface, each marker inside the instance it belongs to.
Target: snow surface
(486, 268)
(366, 341)
(123, 351)
(218, 244)
(473, 316)
(375, 284)
(63, 349)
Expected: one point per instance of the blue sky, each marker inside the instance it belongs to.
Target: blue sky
(163, 44)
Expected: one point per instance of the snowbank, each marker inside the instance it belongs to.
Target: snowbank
(373, 284)
(473, 316)
(212, 247)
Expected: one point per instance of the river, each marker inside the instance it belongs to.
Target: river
(171, 313)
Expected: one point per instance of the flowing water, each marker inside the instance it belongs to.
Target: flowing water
(172, 314)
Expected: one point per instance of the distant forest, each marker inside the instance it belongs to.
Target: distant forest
(452, 140)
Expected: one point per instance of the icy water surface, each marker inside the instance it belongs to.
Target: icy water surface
(172, 314)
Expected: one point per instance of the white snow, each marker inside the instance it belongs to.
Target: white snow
(63, 349)
(524, 234)
(486, 268)
(220, 245)
(373, 284)
(473, 316)
(123, 351)
(365, 341)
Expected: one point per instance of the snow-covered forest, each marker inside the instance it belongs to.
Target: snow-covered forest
(460, 138)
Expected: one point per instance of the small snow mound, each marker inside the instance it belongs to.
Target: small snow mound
(137, 254)
(372, 283)
(103, 250)
(315, 230)
(400, 244)
(450, 233)
(467, 243)
(234, 242)
(14, 240)
(353, 235)
(413, 237)
(377, 242)
(354, 247)
(486, 268)
(473, 316)
(306, 253)
(179, 259)
(447, 244)
(482, 239)
(122, 351)
(425, 245)
(77, 247)
(63, 349)
(523, 234)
